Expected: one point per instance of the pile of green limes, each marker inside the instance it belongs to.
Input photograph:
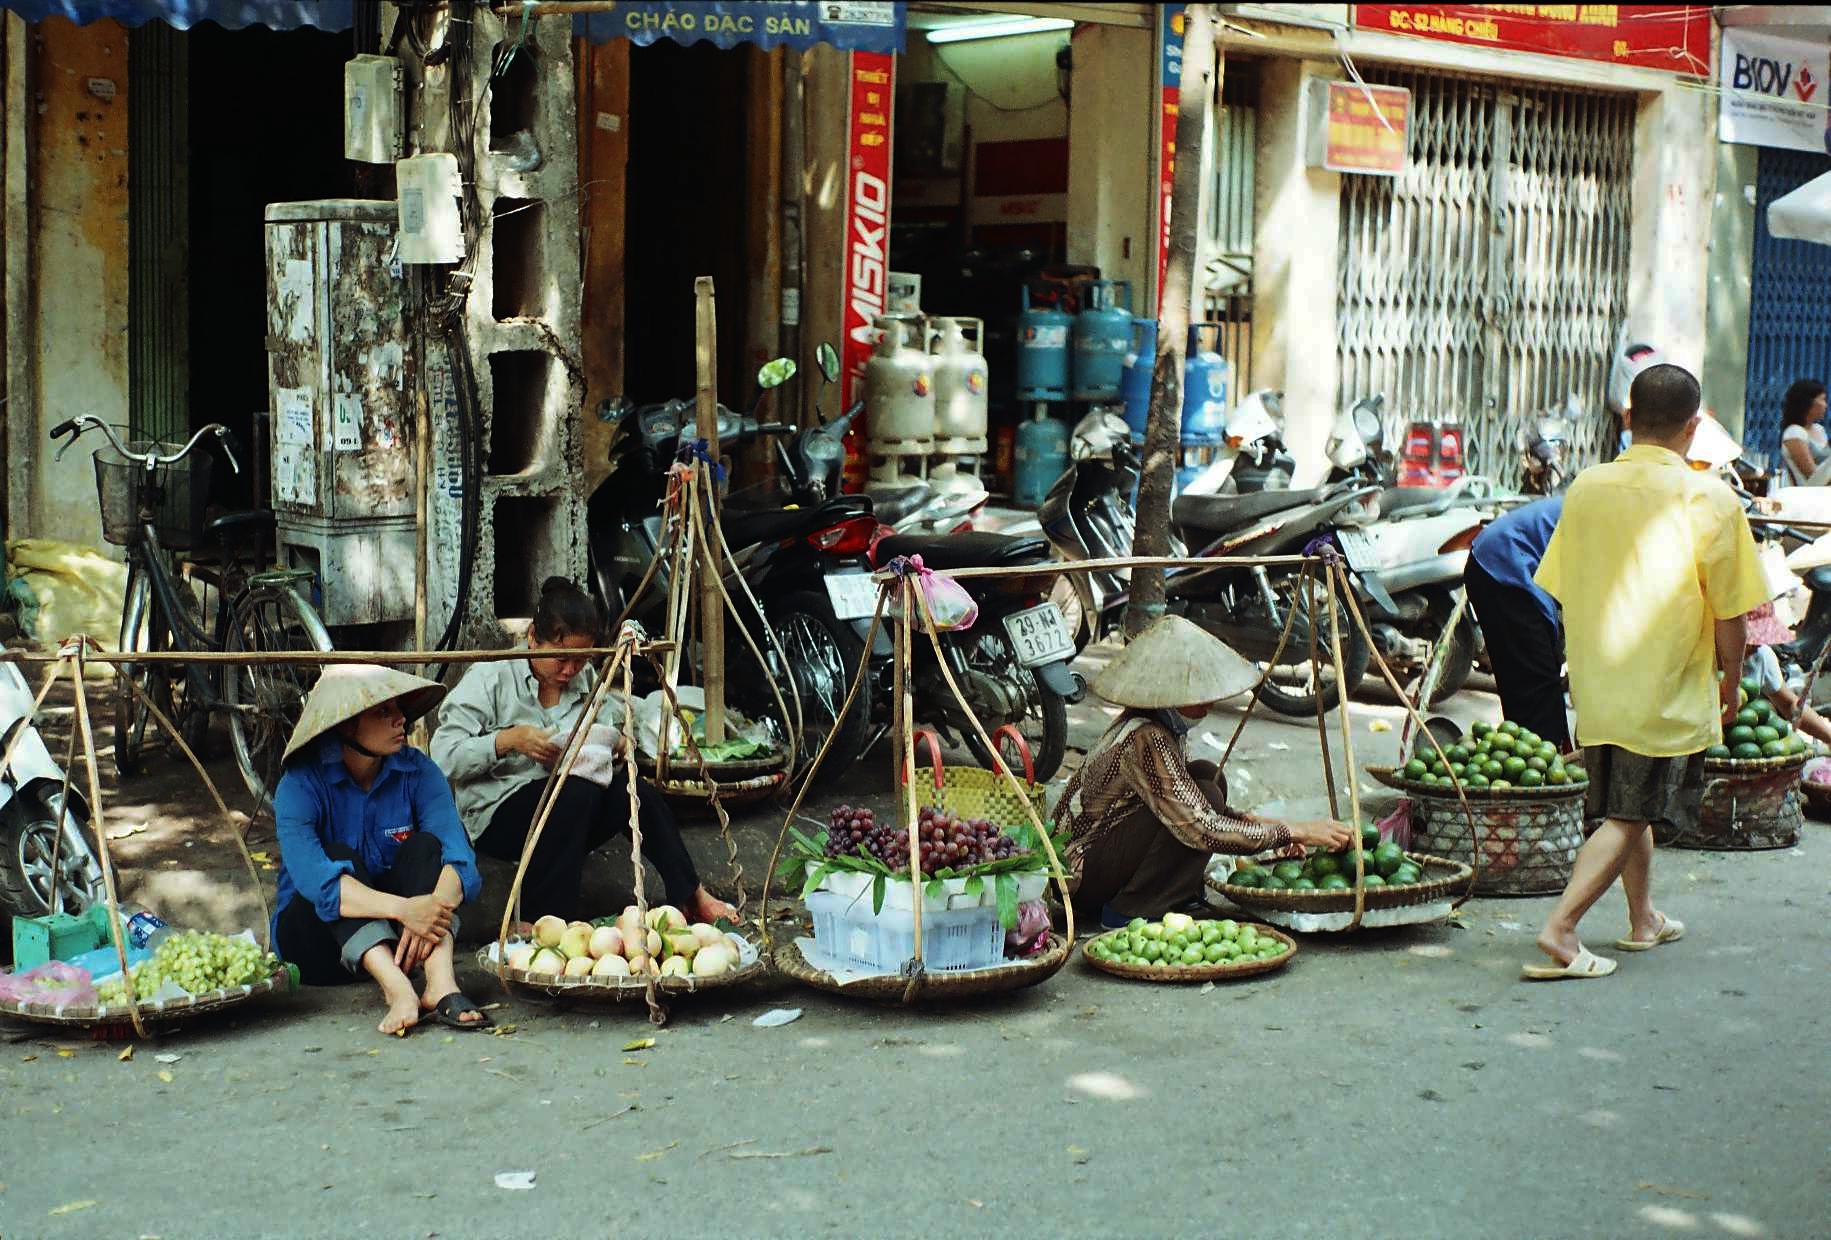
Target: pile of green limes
(1494, 756)
(1757, 731)
(1383, 864)
(1181, 941)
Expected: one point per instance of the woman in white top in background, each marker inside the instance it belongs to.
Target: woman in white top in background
(1803, 443)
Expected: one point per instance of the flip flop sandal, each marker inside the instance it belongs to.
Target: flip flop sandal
(1670, 931)
(451, 1009)
(1583, 965)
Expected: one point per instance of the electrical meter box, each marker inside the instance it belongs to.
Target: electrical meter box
(374, 129)
(341, 406)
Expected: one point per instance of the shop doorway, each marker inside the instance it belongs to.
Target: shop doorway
(1789, 318)
(223, 122)
(687, 213)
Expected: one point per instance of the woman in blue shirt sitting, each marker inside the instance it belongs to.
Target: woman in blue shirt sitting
(373, 860)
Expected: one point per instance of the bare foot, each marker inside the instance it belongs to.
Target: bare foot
(1562, 948)
(403, 1014)
(709, 908)
(430, 1001)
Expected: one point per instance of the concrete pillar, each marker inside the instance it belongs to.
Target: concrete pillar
(1732, 248)
(1297, 213)
(1110, 185)
(1668, 271)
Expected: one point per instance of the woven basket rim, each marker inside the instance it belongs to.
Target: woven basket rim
(1389, 776)
(612, 990)
(1342, 901)
(1195, 972)
(151, 1012)
(1012, 975)
(1757, 766)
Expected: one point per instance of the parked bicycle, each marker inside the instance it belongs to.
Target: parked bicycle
(152, 499)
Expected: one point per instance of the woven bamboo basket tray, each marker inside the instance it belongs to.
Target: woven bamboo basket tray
(1440, 879)
(1529, 836)
(739, 783)
(165, 1014)
(934, 987)
(611, 989)
(1229, 971)
(1746, 806)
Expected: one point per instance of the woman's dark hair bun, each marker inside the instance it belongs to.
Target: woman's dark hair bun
(553, 584)
(564, 610)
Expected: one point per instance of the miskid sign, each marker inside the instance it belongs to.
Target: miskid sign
(1773, 91)
(867, 267)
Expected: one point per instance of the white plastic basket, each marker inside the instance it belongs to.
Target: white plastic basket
(953, 940)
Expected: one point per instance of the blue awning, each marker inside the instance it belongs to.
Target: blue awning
(183, 14)
(860, 25)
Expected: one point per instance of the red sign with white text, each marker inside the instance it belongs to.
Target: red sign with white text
(867, 214)
(1170, 89)
(1673, 37)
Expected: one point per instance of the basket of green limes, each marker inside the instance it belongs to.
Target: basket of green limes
(1323, 882)
(1757, 739)
(1495, 761)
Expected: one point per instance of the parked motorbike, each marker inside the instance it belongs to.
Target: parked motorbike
(1544, 447)
(46, 862)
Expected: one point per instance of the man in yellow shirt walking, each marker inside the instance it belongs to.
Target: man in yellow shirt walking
(1654, 568)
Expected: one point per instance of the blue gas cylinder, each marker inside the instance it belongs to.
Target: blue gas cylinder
(1102, 337)
(1135, 379)
(1042, 351)
(1040, 457)
(1206, 379)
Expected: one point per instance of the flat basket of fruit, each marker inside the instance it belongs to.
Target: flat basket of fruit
(929, 987)
(1815, 787)
(1180, 948)
(614, 958)
(1494, 762)
(1324, 882)
(189, 975)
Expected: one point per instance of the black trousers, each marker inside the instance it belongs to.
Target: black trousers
(330, 953)
(1527, 652)
(586, 816)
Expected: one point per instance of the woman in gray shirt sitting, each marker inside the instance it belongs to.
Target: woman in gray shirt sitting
(497, 743)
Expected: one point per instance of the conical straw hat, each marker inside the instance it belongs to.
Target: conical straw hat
(345, 690)
(1174, 663)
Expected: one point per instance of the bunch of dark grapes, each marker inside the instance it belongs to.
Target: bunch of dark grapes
(947, 840)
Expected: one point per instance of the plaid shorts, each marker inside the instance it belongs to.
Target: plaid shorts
(1636, 788)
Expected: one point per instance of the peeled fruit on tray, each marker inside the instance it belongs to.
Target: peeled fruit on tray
(547, 931)
(518, 955)
(606, 941)
(610, 966)
(666, 917)
(1186, 943)
(714, 959)
(679, 943)
(706, 934)
(676, 966)
(547, 960)
(576, 941)
(580, 966)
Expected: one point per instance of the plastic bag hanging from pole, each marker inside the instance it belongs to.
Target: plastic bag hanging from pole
(948, 602)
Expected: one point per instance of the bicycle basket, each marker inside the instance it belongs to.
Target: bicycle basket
(184, 494)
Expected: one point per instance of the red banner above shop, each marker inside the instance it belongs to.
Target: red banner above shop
(867, 213)
(1673, 37)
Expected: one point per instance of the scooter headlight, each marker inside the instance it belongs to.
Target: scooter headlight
(823, 449)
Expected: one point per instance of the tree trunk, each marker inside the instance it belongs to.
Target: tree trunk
(1163, 426)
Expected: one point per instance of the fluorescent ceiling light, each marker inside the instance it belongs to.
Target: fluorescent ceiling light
(997, 27)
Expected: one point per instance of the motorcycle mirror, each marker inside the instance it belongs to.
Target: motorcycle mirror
(774, 373)
(827, 357)
(614, 408)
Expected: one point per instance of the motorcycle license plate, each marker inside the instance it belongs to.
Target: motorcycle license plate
(1361, 548)
(853, 595)
(1038, 635)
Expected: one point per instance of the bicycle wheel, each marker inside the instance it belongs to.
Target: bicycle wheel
(130, 714)
(265, 701)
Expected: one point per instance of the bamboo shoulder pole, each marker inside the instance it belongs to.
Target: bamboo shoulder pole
(711, 614)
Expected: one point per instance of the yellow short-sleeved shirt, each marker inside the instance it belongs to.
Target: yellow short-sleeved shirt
(1647, 556)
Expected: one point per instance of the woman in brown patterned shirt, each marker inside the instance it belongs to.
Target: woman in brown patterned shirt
(1143, 820)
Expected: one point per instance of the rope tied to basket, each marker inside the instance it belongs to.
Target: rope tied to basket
(700, 451)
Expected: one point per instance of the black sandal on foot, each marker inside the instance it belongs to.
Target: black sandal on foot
(450, 1011)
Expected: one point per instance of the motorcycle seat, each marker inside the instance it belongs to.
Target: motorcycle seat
(1395, 501)
(892, 504)
(1818, 580)
(1218, 513)
(744, 528)
(971, 550)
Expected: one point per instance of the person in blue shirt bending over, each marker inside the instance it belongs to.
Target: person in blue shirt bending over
(1519, 621)
(373, 860)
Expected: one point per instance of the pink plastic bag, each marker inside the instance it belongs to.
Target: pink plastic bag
(56, 983)
(948, 602)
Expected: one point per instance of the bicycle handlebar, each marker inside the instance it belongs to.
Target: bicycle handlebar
(75, 427)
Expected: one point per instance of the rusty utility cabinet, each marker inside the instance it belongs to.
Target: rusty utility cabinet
(341, 404)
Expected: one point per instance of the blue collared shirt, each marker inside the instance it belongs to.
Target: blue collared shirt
(318, 802)
(1513, 544)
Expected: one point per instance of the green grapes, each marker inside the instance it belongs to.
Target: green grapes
(195, 961)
